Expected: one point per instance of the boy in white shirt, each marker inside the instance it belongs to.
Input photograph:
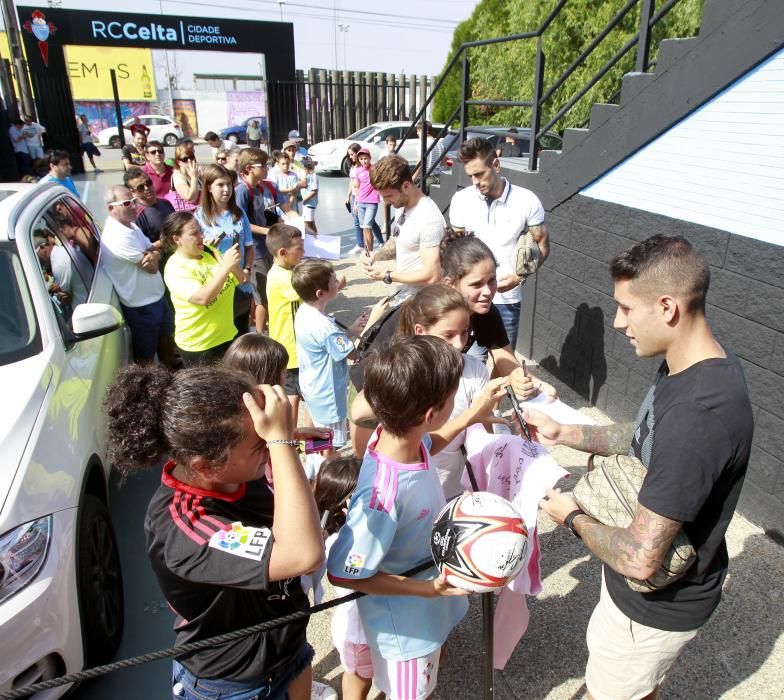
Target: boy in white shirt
(323, 348)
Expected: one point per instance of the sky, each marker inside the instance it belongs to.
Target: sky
(405, 36)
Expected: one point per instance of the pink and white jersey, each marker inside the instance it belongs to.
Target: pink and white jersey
(387, 529)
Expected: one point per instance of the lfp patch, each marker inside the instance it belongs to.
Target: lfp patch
(246, 542)
(342, 342)
(354, 562)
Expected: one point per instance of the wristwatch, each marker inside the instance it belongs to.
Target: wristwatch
(569, 520)
(387, 277)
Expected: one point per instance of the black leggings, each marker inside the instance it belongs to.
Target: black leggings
(200, 358)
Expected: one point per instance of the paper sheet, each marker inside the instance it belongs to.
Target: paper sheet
(558, 410)
(323, 246)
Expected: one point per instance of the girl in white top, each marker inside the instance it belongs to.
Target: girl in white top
(442, 312)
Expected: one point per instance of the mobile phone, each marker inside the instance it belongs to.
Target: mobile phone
(519, 413)
(318, 445)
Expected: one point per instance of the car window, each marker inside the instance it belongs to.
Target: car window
(550, 143)
(362, 134)
(19, 333)
(66, 242)
(148, 121)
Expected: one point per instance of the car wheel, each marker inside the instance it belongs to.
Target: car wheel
(345, 166)
(170, 140)
(114, 142)
(100, 583)
(233, 138)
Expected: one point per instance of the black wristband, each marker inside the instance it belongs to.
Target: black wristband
(569, 520)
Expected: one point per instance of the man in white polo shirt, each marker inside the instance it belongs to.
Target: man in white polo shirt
(131, 262)
(498, 213)
(416, 233)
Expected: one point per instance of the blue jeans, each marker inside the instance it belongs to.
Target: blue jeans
(510, 315)
(357, 228)
(186, 686)
(366, 213)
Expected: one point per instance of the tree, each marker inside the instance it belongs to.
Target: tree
(505, 71)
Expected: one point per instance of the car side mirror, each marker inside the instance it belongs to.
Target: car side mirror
(93, 320)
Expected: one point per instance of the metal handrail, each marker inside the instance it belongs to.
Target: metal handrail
(648, 19)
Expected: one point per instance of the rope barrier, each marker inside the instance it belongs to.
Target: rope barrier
(96, 671)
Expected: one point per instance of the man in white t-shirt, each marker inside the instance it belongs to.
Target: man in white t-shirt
(498, 213)
(416, 234)
(131, 263)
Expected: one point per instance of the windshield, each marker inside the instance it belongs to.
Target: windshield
(19, 336)
(363, 134)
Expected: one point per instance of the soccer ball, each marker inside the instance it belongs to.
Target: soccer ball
(479, 542)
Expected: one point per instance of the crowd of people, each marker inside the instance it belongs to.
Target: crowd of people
(208, 261)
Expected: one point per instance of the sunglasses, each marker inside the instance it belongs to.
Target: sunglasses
(156, 151)
(125, 203)
(399, 221)
(186, 159)
(220, 160)
(143, 186)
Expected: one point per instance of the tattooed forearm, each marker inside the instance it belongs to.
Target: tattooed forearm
(542, 238)
(635, 551)
(387, 251)
(599, 439)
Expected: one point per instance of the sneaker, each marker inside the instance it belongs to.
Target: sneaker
(356, 250)
(98, 170)
(321, 691)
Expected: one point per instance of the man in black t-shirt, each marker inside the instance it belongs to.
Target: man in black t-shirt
(133, 154)
(693, 432)
(151, 211)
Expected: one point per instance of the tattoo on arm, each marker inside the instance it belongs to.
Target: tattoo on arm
(542, 238)
(637, 550)
(387, 251)
(600, 439)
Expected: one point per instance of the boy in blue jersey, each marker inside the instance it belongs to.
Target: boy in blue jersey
(323, 348)
(410, 384)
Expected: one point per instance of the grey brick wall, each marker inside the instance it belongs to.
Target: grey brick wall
(574, 339)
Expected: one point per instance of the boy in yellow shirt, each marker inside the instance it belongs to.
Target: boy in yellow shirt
(286, 245)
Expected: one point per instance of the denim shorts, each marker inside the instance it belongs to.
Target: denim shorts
(366, 213)
(186, 686)
(148, 323)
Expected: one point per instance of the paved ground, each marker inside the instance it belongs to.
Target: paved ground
(739, 654)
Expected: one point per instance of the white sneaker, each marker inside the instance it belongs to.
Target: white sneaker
(356, 250)
(322, 691)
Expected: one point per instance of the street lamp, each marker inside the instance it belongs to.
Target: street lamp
(281, 3)
(344, 28)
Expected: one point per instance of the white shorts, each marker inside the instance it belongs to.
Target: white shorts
(309, 213)
(414, 679)
(627, 660)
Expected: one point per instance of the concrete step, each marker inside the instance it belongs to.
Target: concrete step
(633, 84)
(671, 51)
(600, 113)
(715, 13)
(547, 160)
(572, 138)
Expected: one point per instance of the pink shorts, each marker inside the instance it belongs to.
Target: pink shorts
(356, 659)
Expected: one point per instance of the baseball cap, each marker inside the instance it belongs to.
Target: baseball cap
(294, 135)
(289, 144)
(363, 151)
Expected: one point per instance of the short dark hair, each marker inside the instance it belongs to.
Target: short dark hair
(460, 252)
(132, 173)
(390, 173)
(173, 225)
(211, 136)
(409, 375)
(54, 156)
(281, 235)
(311, 275)
(152, 144)
(260, 356)
(476, 148)
(665, 264)
(249, 156)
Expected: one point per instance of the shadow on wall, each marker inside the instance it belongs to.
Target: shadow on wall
(582, 364)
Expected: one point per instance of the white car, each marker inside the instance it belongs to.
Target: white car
(331, 155)
(62, 340)
(163, 129)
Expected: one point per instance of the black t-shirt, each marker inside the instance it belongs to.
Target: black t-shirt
(130, 153)
(211, 555)
(694, 433)
(488, 330)
(151, 219)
